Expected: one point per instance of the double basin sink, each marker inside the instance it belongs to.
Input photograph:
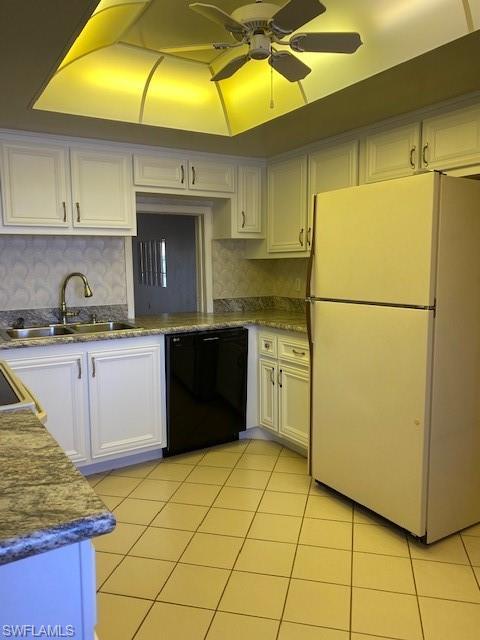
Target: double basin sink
(65, 330)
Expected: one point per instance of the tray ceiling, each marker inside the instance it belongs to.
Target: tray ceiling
(126, 64)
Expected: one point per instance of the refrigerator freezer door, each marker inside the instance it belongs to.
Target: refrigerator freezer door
(370, 398)
(376, 242)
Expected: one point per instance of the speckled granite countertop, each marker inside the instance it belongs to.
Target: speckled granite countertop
(45, 502)
(178, 323)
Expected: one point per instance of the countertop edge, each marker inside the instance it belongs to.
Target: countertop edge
(40, 541)
(142, 332)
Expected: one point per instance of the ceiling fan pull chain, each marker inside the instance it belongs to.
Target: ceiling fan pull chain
(272, 102)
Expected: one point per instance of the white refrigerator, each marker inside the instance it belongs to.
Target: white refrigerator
(394, 293)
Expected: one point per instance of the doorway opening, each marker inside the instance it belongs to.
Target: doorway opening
(171, 262)
(165, 264)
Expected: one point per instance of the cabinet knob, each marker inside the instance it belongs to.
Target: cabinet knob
(64, 206)
(77, 205)
(79, 365)
(194, 175)
(94, 372)
(272, 376)
(182, 170)
(424, 154)
(412, 156)
(280, 378)
(309, 237)
(243, 220)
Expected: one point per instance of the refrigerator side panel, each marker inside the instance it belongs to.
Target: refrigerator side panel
(454, 475)
(377, 242)
(371, 406)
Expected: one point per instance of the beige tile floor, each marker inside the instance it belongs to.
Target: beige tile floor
(238, 543)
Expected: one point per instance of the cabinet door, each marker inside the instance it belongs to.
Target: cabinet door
(34, 184)
(294, 409)
(267, 394)
(391, 154)
(249, 200)
(330, 169)
(125, 395)
(102, 190)
(287, 205)
(211, 176)
(452, 140)
(59, 384)
(160, 171)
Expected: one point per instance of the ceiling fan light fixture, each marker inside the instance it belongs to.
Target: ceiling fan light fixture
(260, 47)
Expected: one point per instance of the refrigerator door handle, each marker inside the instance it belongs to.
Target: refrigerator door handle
(309, 298)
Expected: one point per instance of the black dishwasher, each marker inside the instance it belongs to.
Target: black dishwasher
(206, 374)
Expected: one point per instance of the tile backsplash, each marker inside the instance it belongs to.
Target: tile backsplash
(235, 277)
(32, 269)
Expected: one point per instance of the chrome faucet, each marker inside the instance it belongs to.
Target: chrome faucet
(87, 292)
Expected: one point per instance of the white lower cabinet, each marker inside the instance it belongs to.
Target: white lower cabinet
(268, 404)
(294, 404)
(284, 387)
(103, 400)
(58, 382)
(125, 410)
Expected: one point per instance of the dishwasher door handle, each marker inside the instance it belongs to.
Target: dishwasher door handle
(210, 339)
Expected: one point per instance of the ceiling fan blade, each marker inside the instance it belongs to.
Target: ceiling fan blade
(295, 14)
(289, 66)
(230, 68)
(326, 42)
(219, 16)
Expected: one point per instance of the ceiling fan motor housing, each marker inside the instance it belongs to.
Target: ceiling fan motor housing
(255, 16)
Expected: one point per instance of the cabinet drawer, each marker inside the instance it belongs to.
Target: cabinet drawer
(293, 350)
(267, 345)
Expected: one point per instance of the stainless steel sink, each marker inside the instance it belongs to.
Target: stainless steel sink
(99, 327)
(39, 332)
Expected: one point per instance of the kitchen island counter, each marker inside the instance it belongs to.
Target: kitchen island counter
(45, 503)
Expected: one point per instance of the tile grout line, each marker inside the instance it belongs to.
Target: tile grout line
(477, 579)
(175, 563)
(125, 555)
(294, 558)
(194, 532)
(416, 589)
(209, 509)
(244, 540)
(350, 631)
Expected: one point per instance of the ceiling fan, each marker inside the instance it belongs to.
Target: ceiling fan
(263, 26)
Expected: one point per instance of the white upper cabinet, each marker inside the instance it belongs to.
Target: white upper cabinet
(249, 203)
(452, 139)
(287, 205)
(35, 185)
(170, 171)
(328, 169)
(160, 171)
(391, 154)
(102, 190)
(205, 175)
